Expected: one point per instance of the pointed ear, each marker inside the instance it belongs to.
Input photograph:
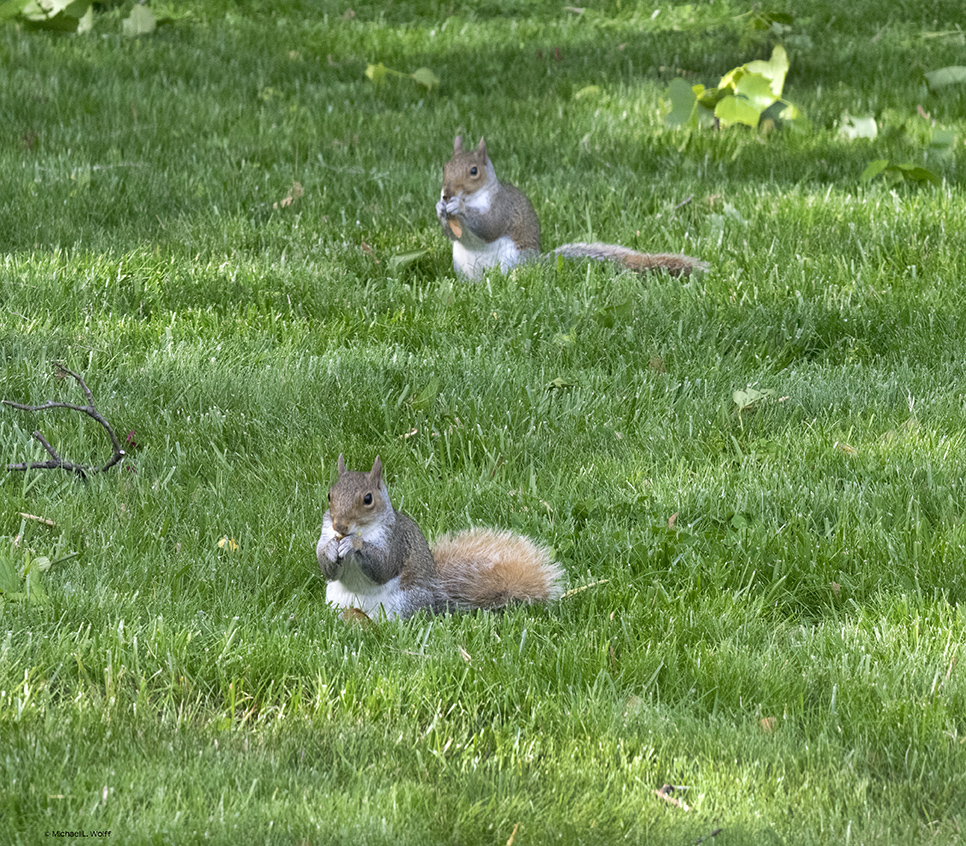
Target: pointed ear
(375, 475)
(458, 144)
(340, 465)
(481, 147)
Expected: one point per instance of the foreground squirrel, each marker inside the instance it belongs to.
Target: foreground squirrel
(492, 223)
(377, 560)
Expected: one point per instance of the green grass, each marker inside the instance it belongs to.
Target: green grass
(774, 606)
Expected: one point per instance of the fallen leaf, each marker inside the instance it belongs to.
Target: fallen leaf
(294, 193)
(356, 615)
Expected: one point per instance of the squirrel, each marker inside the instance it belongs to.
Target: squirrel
(493, 223)
(376, 559)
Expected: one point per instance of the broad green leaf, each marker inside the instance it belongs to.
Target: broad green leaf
(401, 260)
(858, 127)
(757, 90)
(917, 173)
(731, 78)
(750, 397)
(141, 21)
(424, 76)
(424, 398)
(873, 169)
(587, 91)
(377, 73)
(774, 69)
(682, 103)
(907, 170)
(791, 113)
(946, 76)
(736, 110)
(943, 141)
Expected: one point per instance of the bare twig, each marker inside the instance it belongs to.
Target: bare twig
(665, 794)
(56, 462)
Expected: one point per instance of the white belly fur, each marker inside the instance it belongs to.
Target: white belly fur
(474, 262)
(371, 598)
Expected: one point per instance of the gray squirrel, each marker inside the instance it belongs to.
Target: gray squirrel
(376, 559)
(493, 224)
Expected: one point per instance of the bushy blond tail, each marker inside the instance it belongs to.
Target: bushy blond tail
(673, 263)
(487, 568)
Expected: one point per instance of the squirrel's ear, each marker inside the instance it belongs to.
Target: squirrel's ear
(458, 144)
(376, 473)
(340, 464)
(481, 147)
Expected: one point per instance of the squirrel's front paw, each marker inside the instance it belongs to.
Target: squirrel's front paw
(348, 545)
(331, 550)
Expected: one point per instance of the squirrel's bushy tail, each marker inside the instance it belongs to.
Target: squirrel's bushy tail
(486, 568)
(674, 263)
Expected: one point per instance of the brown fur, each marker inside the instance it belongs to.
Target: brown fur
(487, 568)
(673, 263)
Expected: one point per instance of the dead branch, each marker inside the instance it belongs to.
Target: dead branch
(665, 794)
(56, 461)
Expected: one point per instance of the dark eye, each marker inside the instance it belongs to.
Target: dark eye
(330, 497)
(474, 170)
(367, 499)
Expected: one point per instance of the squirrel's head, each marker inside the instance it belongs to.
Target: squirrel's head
(358, 499)
(468, 171)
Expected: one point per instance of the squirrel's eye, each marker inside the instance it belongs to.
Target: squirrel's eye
(474, 170)
(330, 497)
(367, 499)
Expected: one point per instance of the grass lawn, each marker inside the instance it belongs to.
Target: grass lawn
(758, 477)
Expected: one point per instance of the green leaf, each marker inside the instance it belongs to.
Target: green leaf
(141, 21)
(942, 142)
(737, 110)
(750, 397)
(377, 73)
(873, 169)
(424, 399)
(756, 89)
(424, 76)
(401, 260)
(774, 70)
(906, 171)
(683, 99)
(917, 173)
(953, 75)
(587, 91)
(730, 80)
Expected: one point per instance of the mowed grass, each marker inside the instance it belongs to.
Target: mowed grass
(772, 605)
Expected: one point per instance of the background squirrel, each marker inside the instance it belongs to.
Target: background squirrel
(493, 223)
(377, 558)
